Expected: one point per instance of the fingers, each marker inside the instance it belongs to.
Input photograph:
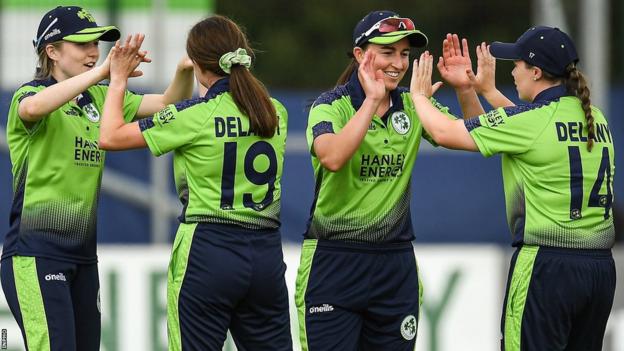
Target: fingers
(441, 66)
(465, 51)
(456, 46)
(435, 87)
(446, 46)
(471, 76)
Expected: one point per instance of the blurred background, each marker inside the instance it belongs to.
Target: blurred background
(458, 209)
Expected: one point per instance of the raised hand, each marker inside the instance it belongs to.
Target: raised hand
(371, 79)
(420, 83)
(455, 62)
(484, 82)
(125, 59)
(185, 63)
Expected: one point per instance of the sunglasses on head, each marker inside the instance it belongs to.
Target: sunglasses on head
(388, 25)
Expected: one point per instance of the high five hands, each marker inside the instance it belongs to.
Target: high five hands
(124, 60)
(420, 83)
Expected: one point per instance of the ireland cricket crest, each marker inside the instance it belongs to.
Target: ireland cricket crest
(409, 326)
(92, 113)
(400, 122)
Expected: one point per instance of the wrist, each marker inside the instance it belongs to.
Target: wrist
(417, 94)
(117, 83)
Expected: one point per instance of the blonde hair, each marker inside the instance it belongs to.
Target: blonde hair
(45, 63)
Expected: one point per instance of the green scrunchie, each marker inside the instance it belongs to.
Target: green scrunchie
(238, 57)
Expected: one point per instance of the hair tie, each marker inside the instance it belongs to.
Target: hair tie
(238, 57)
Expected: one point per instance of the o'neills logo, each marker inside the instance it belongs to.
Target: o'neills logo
(59, 276)
(54, 32)
(321, 309)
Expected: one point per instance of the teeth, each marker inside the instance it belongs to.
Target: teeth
(392, 74)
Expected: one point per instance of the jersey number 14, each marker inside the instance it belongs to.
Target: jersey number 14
(576, 184)
(267, 177)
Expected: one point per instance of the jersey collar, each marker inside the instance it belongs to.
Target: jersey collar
(356, 92)
(219, 87)
(551, 94)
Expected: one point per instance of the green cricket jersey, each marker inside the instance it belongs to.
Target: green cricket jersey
(224, 172)
(57, 170)
(557, 193)
(368, 199)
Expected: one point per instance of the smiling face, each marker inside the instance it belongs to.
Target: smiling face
(391, 59)
(72, 59)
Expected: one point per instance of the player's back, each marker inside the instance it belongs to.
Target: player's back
(562, 192)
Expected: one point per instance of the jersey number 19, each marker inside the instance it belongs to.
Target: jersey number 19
(267, 177)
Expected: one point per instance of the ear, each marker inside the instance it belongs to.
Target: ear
(358, 54)
(52, 52)
(537, 73)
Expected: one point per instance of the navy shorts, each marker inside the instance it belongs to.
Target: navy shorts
(357, 296)
(55, 303)
(557, 299)
(224, 277)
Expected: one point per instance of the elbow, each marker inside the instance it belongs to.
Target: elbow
(441, 138)
(331, 164)
(105, 142)
(30, 112)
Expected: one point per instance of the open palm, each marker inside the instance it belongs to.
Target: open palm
(455, 61)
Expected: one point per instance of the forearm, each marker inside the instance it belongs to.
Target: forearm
(335, 150)
(51, 98)
(469, 102)
(112, 116)
(181, 86)
(495, 98)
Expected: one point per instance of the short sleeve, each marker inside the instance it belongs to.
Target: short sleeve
(509, 130)
(15, 123)
(131, 104)
(170, 129)
(446, 111)
(323, 119)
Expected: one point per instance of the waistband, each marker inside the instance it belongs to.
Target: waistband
(340, 245)
(604, 253)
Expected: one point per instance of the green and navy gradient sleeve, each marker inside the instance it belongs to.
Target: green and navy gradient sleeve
(499, 132)
(224, 172)
(557, 192)
(171, 128)
(57, 169)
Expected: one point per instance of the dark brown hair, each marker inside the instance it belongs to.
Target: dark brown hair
(576, 84)
(352, 67)
(207, 41)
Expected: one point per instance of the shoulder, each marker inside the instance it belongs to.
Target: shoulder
(30, 88)
(525, 109)
(279, 108)
(328, 97)
(38, 83)
(194, 102)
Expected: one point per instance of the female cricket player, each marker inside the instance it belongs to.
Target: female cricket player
(358, 285)
(227, 268)
(557, 157)
(49, 264)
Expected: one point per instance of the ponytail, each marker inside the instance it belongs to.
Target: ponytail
(346, 74)
(576, 85)
(252, 98)
(216, 36)
(352, 67)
